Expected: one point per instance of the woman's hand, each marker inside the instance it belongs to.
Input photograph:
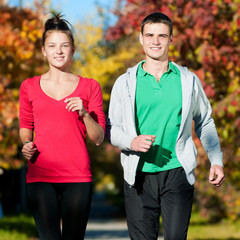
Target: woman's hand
(94, 130)
(76, 104)
(28, 150)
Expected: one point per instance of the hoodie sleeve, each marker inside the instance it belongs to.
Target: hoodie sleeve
(204, 124)
(116, 131)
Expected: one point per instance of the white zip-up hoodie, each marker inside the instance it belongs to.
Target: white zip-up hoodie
(121, 129)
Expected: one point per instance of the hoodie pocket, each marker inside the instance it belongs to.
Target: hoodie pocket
(187, 154)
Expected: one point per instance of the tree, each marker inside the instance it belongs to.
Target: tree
(206, 39)
(95, 58)
(20, 57)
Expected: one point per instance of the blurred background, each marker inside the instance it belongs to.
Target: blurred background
(206, 38)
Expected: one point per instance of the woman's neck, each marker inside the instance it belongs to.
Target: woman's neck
(57, 75)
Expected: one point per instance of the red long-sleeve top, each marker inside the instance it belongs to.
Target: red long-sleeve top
(59, 135)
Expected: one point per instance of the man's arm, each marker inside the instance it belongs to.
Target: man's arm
(207, 133)
(117, 133)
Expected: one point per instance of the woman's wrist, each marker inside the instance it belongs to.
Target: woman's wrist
(85, 115)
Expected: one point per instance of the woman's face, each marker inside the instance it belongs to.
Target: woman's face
(58, 50)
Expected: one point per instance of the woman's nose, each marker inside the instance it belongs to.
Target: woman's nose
(59, 50)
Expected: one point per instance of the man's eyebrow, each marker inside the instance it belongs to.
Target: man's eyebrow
(161, 34)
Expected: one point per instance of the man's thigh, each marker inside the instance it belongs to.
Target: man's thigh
(142, 208)
(176, 204)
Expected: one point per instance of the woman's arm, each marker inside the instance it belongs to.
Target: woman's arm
(94, 130)
(26, 135)
(28, 149)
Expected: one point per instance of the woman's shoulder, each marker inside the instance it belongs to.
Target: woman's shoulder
(88, 82)
(87, 79)
(30, 81)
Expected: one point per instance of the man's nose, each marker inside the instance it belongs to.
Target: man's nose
(156, 40)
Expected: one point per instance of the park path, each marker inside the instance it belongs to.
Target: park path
(106, 221)
(107, 229)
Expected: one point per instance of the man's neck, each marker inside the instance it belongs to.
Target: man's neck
(156, 68)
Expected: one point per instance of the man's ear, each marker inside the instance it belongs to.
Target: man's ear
(171, 38)
(140, 38)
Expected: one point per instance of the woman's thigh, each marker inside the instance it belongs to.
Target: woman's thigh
(44, 203)
(75, 204)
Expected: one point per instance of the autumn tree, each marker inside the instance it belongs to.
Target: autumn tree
(206, 35)
(94, 58)
(20, 57)
(206, 39)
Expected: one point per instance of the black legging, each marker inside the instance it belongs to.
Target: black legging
(51, 201)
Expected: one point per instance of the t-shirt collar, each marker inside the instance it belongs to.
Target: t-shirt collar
(141, 72)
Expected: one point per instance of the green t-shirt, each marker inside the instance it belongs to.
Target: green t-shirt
(158, 112)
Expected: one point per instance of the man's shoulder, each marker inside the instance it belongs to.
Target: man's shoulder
(183, 69)
(130, 73)
(189, 75)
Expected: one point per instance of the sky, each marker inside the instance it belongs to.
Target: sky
(74, 10)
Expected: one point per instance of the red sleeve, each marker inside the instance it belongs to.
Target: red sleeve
(95, 106)
(25, 109)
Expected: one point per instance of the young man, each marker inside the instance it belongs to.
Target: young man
(151, 111)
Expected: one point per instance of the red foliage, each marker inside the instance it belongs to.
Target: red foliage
(206, 38)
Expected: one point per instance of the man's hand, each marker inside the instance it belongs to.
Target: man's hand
(142, 143)
(216, 176)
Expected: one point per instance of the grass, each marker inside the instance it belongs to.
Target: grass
(201, 229)
(22, 227)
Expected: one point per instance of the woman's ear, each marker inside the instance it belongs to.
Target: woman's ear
(43, 51)
(73, 50)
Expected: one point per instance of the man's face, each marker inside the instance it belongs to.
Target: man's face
(155, 41)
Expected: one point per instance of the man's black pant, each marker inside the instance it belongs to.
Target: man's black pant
(167, 193)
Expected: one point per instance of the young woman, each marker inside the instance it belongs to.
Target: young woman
(59, 108)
